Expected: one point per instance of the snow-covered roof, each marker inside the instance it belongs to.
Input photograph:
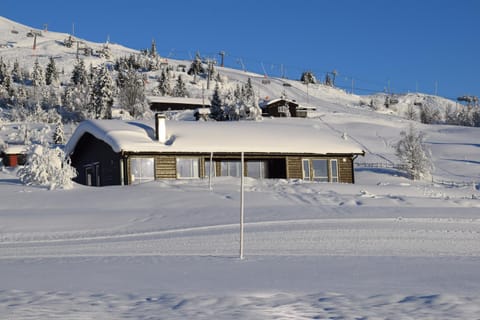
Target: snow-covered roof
(268, 136)
(15, 149)
(178, 100)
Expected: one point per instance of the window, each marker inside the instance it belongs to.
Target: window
(333, 170)
(142, 170)
(320, 170)
(230, 168)
(306, 169)
(207, 168)
(257, 169)
(187, 168)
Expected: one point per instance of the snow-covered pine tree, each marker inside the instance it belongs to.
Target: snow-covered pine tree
(216, 109)
(59, 134)
(164, 84)
(196, 68)
(16, 73)
(102, 95)
(132, 94)
(180, 90)
(3, 70)
(308, 77)
(79, 73)
(48, 167)
(51, 74)
(413, 153)
(38, 80)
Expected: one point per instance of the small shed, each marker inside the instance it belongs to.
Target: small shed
(14, 155)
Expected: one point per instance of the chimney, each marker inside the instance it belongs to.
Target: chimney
(160, 128)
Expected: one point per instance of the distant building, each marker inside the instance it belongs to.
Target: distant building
(167, 103)
(285, 108)
(14, 155)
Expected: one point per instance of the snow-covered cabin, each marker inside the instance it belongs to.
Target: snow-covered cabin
(167, 103)
(115, 152)
(14, 155)
(285, 108)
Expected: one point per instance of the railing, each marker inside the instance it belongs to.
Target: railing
(382, 165)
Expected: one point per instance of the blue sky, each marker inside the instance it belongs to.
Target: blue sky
(403, 45)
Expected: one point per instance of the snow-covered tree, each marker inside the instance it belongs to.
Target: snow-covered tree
(47, 167)
(196, 68)
(102, 95)
(216, 109)
(164, 84)
(132, 94)
(51, 74)
(17, 76)
(180, 90)
(413, 153)
(308, 77)
(429, 115)
(38, 79)
(79, 73)
(59, 134)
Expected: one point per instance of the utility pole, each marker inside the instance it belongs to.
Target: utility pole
(436, 87)
(353, 84)
(222, 54)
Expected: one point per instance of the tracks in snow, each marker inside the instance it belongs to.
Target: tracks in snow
(310, 237)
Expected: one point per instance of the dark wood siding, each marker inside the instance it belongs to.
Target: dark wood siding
(90, 150)
(345, 170)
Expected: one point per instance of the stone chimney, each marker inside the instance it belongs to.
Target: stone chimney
(160, 128)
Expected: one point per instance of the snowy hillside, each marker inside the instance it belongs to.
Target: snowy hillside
(386, 247)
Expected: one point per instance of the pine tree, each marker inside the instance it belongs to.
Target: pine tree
(164, 84)
(102, 95)
(16, 73)
(308, 77)
(38, 79)
(79, 73)
(3, 71)
(413, 153)
(51, 74)
(216, 109)
(59, 134)
(180, 90)
(196, 68)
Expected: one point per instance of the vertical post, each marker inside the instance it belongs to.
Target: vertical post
(242, 202)
(211, 172)
(122, 173)
(353, 85)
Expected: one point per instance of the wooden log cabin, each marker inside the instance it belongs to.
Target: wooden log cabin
(115, 152)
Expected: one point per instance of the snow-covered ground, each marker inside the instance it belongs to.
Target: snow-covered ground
(383, 248)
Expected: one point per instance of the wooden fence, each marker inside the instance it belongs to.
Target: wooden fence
(385, 165)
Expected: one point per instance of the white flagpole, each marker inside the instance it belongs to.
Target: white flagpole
(242, 202)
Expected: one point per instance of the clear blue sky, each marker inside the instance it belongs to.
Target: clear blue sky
(404, 44)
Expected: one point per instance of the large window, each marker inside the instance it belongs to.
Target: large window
(230, 168)
(187, 168)
(320, 170)
(142, 170)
